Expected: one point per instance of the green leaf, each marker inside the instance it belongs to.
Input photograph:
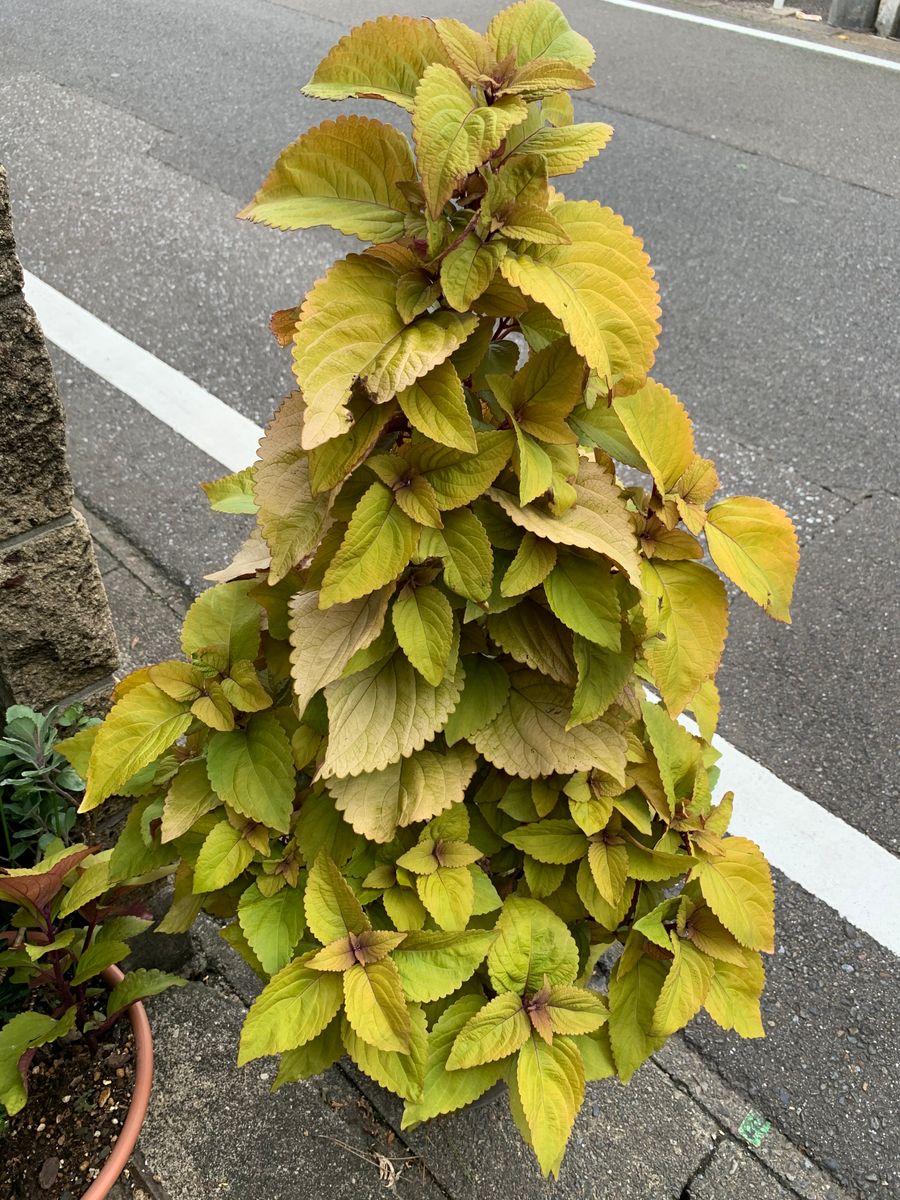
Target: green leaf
(684, 990)
(378, 544)
(189, 798)
(311, 1059)
(138, 729)
(599, 285)
(596, 1052)
(291, 518)
(550, 1081)
(375, 1006)
(632, 1002)
(459, 478)
(97, 957)
(737, 886)
(273, 925)
(324, 641)
(423, 623)
(464, 546)
(343, 173)
(432, 965)
(242, 688)
(532, 564)
(484, 693)
(599, 521)
(733, 997)
(584, 596)
(677, 754)
(383, 58)
(494, 1032)
(291, 1010)
(224, 616)
(351, 329)
(449, 896)
(531, 942)
(402, 1074)
(252, 770)
(453, 133)
(686, 610)
(223, 856)
(139, 985)
(416, 788)
(25, 1031)
(232, 493)
(565, 150)
(533, 636)
(542, 394)
(528, 737)
(436, 406)
(552, 841)
(574, 1010)
(755, 544)
(445, 1091)
(601, 677)
(383, 714)
(468, 270)
(332, 909)
(404, 908)
(609, 916)
(534, 467)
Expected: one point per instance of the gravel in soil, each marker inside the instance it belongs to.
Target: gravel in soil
(77, 1103)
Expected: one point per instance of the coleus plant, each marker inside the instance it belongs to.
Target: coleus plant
(411, 756)
(62, 924)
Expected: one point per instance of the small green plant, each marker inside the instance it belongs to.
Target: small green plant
(63, 925)
(410, 756)
(39, 790)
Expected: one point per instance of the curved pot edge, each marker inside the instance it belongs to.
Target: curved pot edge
(140, 1097)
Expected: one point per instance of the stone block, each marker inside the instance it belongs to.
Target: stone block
(35, 486)
(56, 637)
(10, 270)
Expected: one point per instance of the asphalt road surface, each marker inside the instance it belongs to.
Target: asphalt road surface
(765, 180)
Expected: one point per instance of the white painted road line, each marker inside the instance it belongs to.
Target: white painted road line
(855, 876)
(213, 426)
(764, 35)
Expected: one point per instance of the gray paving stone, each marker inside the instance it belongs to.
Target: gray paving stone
(641, 1142)
(213, 1130)
(146, 626)
(733, 1174)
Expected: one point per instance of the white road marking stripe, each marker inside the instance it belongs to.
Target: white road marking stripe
(764, 35)
(855, 876)
(213, 426)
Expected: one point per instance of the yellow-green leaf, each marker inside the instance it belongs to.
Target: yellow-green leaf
(332, 910)
(556, 840)
(464, 546)
(537, 29)
(189, 798)
(533, 636)
(485, 691)
(290, 1011)
(532, 942)
(733, 997)
(138, 729)
(584, 596)
(737, 886)
(469, 52)
(660, 429)
(416, 788)
(436, 406)
(599, 521)
(343, 173)
(528, 737)
(402, 1074)
(599, 285)
(324, 641)
(350, 328)
(459, 478)
(378, 544)
(376, 1007)
(608, 865)
(468, 269)
(601, 677)
(575, 1010)
(382, 59)
(495, 1031)
(272, 925)
(684, 990)
(225, 617)
(252, 770)
(384, 713)
(232, 493)
(566, 149)
(223, 855)
(633, 996)
(434, 964)
(449, 895)
(423, 622)
(755, 544)
(686, 612)
(291, 519)
(550, 1081)
(532, 564)
(454, 133)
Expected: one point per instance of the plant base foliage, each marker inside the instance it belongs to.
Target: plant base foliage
(410, 754)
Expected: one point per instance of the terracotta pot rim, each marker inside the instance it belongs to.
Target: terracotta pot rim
(140, 1097)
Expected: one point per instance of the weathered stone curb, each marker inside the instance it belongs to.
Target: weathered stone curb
(56, 636)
